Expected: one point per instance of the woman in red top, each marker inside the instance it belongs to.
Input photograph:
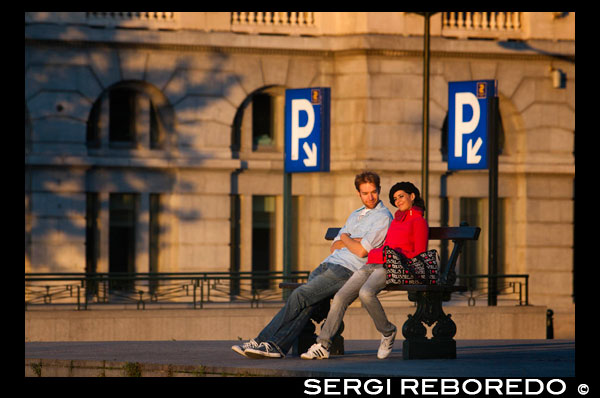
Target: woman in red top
(408, 233)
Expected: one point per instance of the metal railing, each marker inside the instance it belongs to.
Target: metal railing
(199, 289)
(159, 289)
(508, 287)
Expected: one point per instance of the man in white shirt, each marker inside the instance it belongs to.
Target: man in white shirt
(364, 230)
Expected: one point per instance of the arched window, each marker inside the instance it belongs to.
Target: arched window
(256, 212)
(131, 115)
(258, 123)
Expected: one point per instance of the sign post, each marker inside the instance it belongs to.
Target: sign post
(307, 126)
(473, 145)
(493, 199)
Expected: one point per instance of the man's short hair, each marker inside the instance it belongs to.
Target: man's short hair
(367, 176)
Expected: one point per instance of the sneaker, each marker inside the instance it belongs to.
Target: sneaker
(316, 351)
(385, 347)
(241, 349)
(264, 350)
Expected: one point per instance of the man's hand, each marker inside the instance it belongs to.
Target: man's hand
(338, 244)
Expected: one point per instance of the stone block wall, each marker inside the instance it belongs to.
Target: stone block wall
(206, 73)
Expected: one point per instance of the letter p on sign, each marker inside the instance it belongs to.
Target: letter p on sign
(299, 105)
(462, 127)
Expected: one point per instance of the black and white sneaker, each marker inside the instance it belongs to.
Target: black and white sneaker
(241, 349)
(385, 347)
(316, 351)
(264, 350)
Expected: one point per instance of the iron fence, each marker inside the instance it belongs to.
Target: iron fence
(512, 287)
(197, 290)
(157, 289)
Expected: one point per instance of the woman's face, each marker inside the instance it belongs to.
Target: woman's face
(403, 200)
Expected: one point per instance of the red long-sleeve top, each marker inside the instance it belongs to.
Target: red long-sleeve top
(408, 233)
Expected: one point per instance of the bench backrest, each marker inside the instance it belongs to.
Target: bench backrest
(458, 235)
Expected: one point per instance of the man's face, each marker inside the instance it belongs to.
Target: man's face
(369, 194)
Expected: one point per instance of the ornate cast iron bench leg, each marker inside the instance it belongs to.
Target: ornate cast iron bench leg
(308, 336)
(429, 311)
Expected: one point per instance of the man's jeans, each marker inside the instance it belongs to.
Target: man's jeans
(286, 326)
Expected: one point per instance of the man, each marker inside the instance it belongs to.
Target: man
(364, 230)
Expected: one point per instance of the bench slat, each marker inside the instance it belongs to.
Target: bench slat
(435, 233)
(290, 285)
(427, 288)
(454, 233)
(331, 233)
(406, 288)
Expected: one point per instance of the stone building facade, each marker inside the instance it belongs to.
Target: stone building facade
(189, 177)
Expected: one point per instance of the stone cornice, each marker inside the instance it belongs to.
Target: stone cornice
(436, 167)
(298, 52)
(315, 46)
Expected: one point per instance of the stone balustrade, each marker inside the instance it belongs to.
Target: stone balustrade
(148, 20)
(482, 24)
(292, 23)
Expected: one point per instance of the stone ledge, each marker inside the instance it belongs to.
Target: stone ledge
(502, 322)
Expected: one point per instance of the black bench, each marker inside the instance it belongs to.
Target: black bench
(428, 298)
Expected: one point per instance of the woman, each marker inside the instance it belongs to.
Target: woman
(408, 233)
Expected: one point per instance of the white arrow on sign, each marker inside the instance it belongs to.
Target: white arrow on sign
(311, 154)
(472, 156)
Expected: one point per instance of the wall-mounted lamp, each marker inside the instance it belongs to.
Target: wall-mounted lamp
(559, 15)
(559, 78)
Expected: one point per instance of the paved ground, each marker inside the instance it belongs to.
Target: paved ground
(475, 358)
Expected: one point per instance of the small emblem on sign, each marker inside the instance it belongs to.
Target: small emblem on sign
(315, 96)
(481, 89)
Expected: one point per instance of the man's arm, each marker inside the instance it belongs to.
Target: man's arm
(353, 245)
(339, 244)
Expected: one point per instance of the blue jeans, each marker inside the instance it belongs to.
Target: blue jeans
(286, 326)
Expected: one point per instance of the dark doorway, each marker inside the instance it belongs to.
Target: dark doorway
(122, 238)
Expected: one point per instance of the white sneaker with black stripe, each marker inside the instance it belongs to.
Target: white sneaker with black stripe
(316, 351)
(241, 349)
(385, 347)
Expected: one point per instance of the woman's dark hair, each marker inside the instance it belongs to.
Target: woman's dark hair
(409, 188)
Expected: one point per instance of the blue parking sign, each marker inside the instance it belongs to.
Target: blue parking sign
(468, 123)
(307, 129)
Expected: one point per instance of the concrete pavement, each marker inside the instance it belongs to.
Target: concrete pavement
(475, 358)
